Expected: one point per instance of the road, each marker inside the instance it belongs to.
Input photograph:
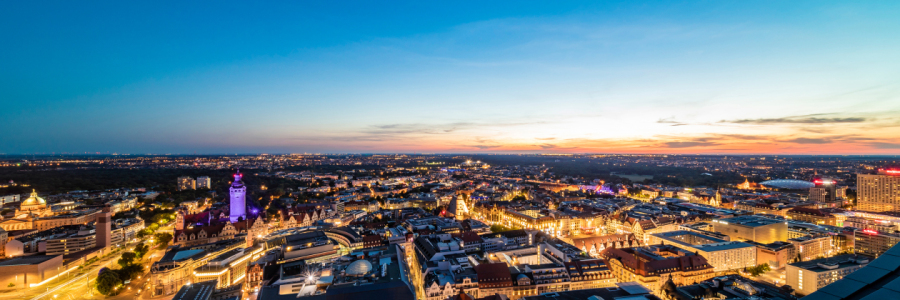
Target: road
(79, 284)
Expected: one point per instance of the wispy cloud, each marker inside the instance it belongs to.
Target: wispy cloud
(885, 145)
(670, 121)
(809, 141)
(807, 119)
(689, 144)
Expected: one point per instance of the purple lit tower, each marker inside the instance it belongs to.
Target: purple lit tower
(238, 198)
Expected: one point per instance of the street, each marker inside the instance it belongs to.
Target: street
(79, 284)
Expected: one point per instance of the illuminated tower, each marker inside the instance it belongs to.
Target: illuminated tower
(238, 198)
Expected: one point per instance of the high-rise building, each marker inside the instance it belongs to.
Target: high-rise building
(824, 190)
(203, 182)
(186, 183)
(103, 228)
(879, 192)
(238, 202)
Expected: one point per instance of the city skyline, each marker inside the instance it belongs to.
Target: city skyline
(615, 77)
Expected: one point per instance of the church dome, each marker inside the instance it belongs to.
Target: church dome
(34, 200)
(359, 267)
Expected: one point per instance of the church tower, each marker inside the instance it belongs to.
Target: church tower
(238, 191)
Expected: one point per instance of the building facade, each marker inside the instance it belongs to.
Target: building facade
(878, 192)
(807, 277)
(752, 228)
(186, 183)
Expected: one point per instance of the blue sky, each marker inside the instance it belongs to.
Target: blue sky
(796, 77)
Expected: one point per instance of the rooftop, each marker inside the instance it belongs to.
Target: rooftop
(197, 291)
(748, 221)
(878, 280)
(26, 260)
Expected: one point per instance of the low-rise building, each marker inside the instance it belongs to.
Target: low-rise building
(752, 228)
(809, 276)
(650, 265)
(873, 243)
(176, 267)
(722, 255)
(30, 271)
(812, 247)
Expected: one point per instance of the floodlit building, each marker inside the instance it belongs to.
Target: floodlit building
(809, 276)
(752, 228)
(825, 190)
(650, 265)
(722, 255)
(204, 182)
(30, 271)
(186, 183)
(878, 192)
(873, 243)
(812, 247)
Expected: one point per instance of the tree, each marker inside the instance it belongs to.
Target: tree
(127, 259)
(140, 250)
(499, 228)
(787, 288)
(163, 239)
(108, 281)
(131, 272)
(760, 269)
(11, 285)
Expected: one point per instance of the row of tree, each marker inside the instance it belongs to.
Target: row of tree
(109, 281)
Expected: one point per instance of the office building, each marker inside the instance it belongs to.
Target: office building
(878, 192)
(873, 243)
(204, 182)
(73, 242)
(812, 247)
(752, 228)
(186, 183)
(880, 280)
(721, 254)
(809, 276)
(824, 190)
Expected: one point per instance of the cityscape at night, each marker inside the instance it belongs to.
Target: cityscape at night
(583, 150)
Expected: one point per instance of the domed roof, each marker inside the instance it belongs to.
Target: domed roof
(359, 267)
(34, 200)
(793, 184)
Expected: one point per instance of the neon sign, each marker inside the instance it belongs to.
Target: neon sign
(870, 231)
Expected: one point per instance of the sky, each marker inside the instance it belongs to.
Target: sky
(693, 77)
